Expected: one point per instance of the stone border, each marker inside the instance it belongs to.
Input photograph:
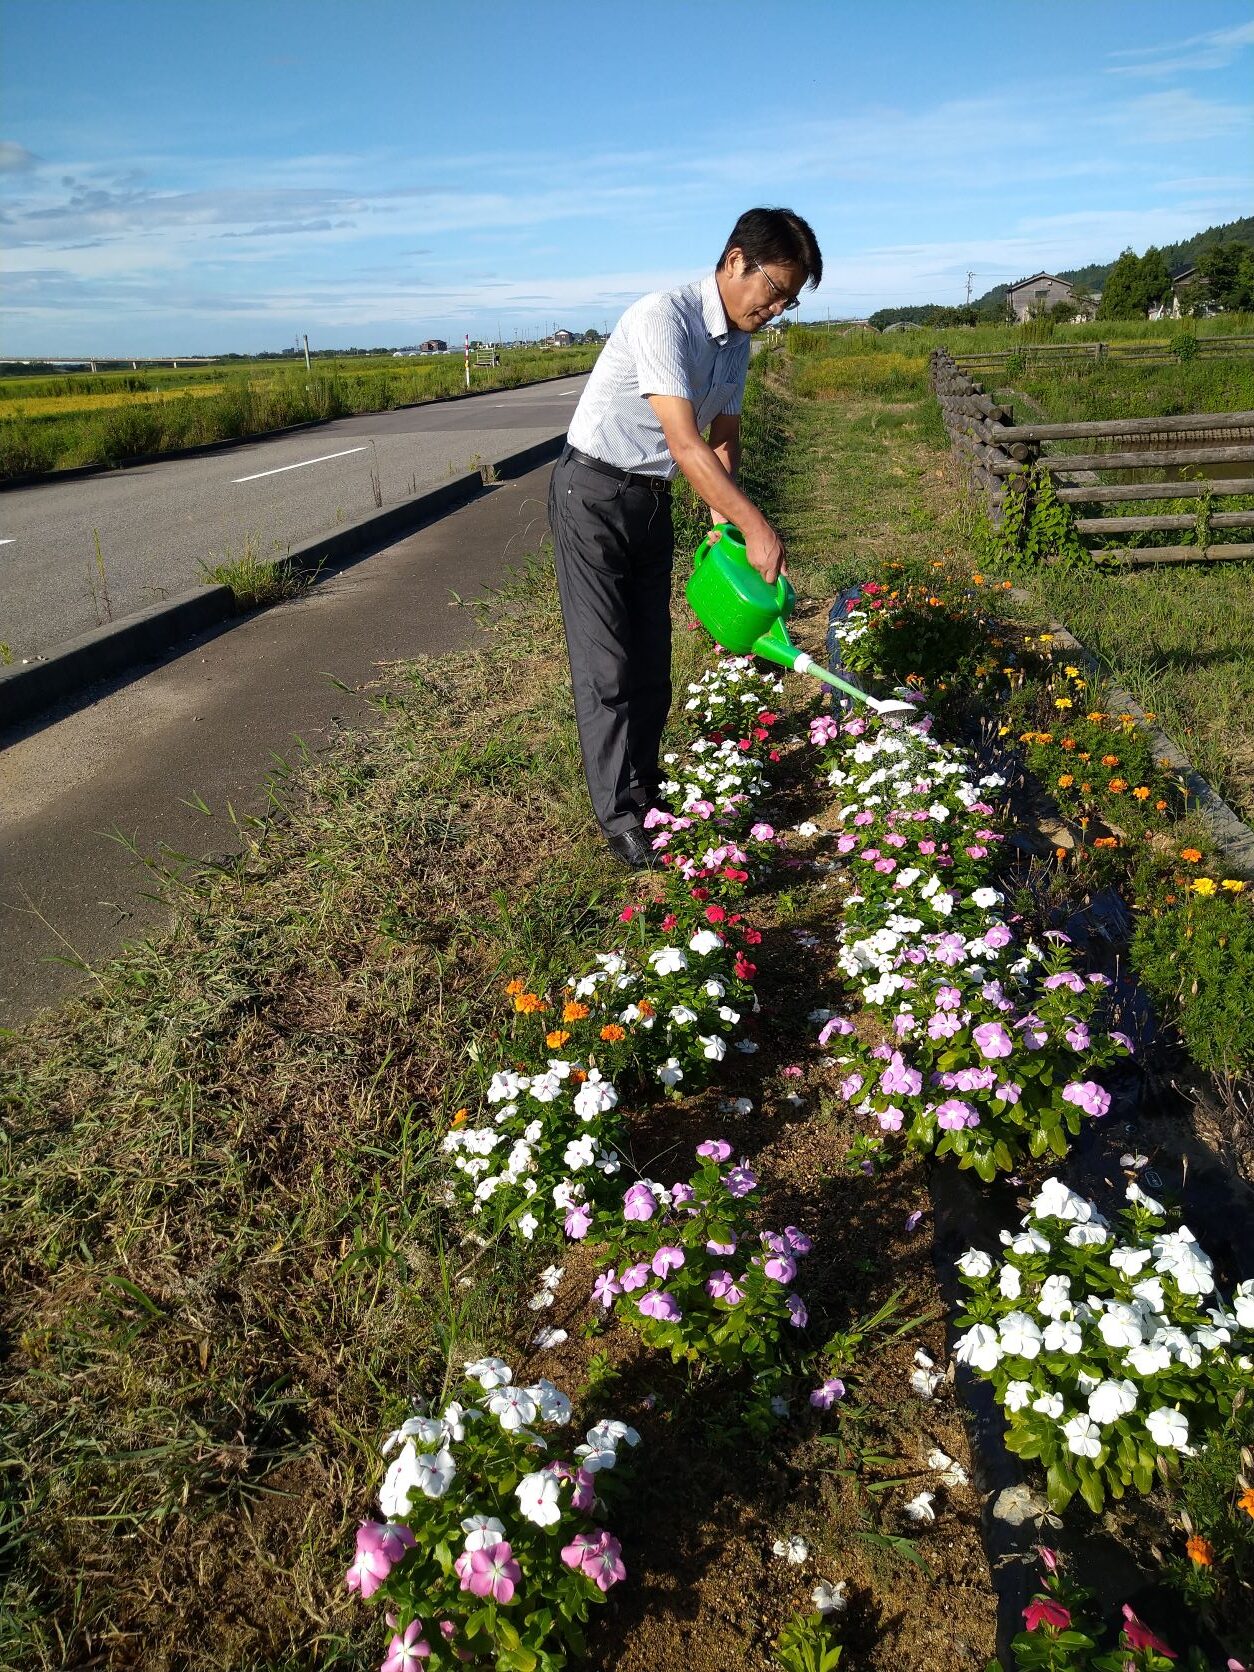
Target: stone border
(202, 449)
(150, 635)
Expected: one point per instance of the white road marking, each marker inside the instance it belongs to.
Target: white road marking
(281, 468)
(6, 542)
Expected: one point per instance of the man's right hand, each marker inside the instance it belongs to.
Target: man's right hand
(765, 551)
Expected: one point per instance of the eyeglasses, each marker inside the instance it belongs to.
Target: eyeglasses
(788, 303)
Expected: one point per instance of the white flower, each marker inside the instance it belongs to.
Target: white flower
(513, 1407)
(1111, 1400)
(1119, 1326)
(1128, 1260)
(975, 1263)
(1017, 1395)
(1083, 1436)
(482, 1530)
(794, 1549)
(528, 1225)
(1063, 1335)
(985, 898)
(670, 1073)
(427, 1431)
(830, 1599)
(1010, 1283)
(703, 942)
(1027, 1241)
(1054, 1300)
(1243, 1304)
(920, 1509)
(1148, 1360)
(668, 960)
(1168, 1427)
(1020, 1335)
(454, 1421)
(979, 1348)
(1087, 1236)
(682, 1016)
(807, 828)
(951, 1472)
(551, 1276)
(544, 1338)
(1049, 1405)
(1055, 1201)
(1134, 1193)
(713, 1046)
(538, 1499)
(489, 1372)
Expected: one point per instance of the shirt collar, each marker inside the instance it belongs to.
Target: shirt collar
(712, 309)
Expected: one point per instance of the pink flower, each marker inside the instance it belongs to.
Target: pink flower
(658, 1304)
(407, 1648)
(681, 1195)
(380, 1545)
(666, 1260)
(584, 1495)
(714, 1149)
(846, 843)
(639, 1203)
(740, 1181)
(850, 1086)
(1078, 1037)
(864, 818)
(899, 1077)
(761, 832)
(791, 1072)
(606, 1288)
(826, 1395)
(782, 1268)
(598, 1555)
(1065, 978)
(1044, 1612)
(798, 1317)
(927, 846)
(1138, 1636)
(635, 1277)
(890, 1118)
(954, 1114)
(1089, 1096)
(578, 1221)
(628, 912)
(721, 1285)
(1049, 1558)
(993, 1041)
(797, 1240)
(490, 1572)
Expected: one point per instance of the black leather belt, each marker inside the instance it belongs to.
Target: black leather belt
(633, 478)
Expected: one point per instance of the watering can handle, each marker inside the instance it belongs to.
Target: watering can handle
(783, 590)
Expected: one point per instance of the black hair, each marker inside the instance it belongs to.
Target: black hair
(776, 235)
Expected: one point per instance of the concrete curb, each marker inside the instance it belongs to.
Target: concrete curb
(151, 634)
(203, 449)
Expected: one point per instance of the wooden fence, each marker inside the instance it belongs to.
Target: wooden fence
(1037, 355)
(1001, 458)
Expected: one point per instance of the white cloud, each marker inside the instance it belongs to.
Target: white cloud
(1214, 50)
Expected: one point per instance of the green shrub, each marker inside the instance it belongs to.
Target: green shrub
(1196, 958)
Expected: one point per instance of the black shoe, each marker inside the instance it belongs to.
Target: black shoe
(633, 848)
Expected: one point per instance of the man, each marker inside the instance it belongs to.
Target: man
(673, 368)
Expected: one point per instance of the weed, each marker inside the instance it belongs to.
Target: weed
(254, 580)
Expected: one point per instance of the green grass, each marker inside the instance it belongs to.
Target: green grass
(254, 580)
(254, 400)
(1068, 394)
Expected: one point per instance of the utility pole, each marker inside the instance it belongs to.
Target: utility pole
(305, 339)
(970, 276)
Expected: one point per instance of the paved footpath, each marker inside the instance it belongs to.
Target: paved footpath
(159, 524)
(209, 723)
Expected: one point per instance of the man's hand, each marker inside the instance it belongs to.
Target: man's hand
(765, 551)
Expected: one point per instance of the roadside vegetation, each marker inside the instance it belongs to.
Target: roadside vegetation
(234, 1253)
(108, 418)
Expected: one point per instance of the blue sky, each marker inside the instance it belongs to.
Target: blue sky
(208, 175)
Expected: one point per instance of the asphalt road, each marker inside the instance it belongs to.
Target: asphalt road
(158, 524)
(208, 724)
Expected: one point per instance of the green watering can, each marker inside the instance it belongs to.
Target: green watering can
(745, 615)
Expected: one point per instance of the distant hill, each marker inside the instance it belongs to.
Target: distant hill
(1177, 257)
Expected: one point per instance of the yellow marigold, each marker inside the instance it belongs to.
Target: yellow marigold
(1232, 885)
(613, 1032)
(1203, 885)
(1081, 685)
(515, 986)
(1062, 702)
(1071, 673)
(1191, 854)
(1002, 730)
(1141, 792)
(1118, 785)
(1047, 638)
(1246, 1501)
(556, 1039)
(460, 1117)
(1086, 789)
(574, 1011)
(1200, 1550)
(1045, 737)
(978, 579)
(1096, 716)
(1066, 780)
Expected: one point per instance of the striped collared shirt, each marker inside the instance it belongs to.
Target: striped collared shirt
(671, 342)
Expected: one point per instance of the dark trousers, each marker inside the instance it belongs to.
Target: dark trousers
(613, 547)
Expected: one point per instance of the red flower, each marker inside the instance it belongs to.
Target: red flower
(871, 588)
(627, 913)
(733, 875)
(1043, 1612)
(742, 743)
(752, 937)
(761, 733)
(714, 914)
(669, 921)
(744, 969)
(701, 894)
(774, 754)
(766, 718)
(1138, 1636)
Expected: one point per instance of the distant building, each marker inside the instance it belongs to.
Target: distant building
(1037, 295)
(433, 345)
(561, 339)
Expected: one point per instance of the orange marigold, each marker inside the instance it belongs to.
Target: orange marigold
(1141, 792)
(645, 1008)
(556, 1039)
(1200, 1550)
(529, 1004)
(1246, 1502)
(1160, 806)
(574, 1011)
(1118, 785)
(613, 1033)
(1191, 854)
(515, 986)
(460, 1117)
(578, 1075)
(1106, 842)
(1067, 743)
(1065, 781)
(1110, 760)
